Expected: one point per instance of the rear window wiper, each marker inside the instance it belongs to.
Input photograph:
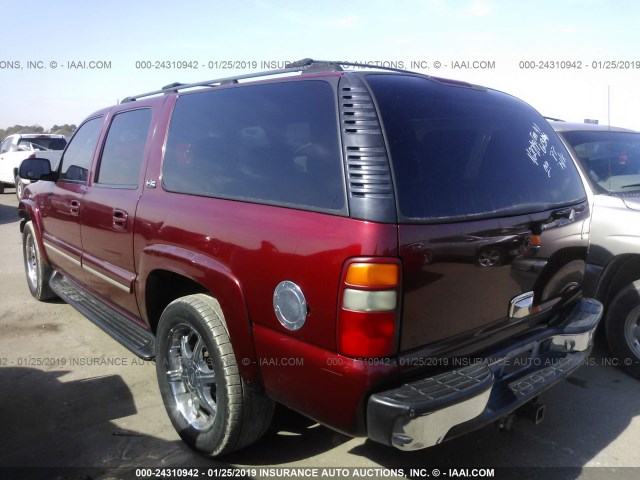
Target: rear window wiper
(632, 185)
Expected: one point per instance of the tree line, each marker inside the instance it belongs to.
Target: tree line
(65, 129)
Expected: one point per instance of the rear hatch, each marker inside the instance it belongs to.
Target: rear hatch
(478, 174)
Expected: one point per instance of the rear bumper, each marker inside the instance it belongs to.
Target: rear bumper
(479, 391)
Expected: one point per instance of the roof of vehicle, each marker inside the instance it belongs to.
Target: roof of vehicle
(305, 67)
(560, 126)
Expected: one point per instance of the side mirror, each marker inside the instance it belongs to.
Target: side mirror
(36, 169)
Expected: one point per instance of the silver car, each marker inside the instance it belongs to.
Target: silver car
(609, 160)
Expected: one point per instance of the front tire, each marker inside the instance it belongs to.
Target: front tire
(209, 404)
(622, 326)
(19, 187)
(37, 269)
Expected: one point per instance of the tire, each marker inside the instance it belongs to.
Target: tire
(19, 187)
(38, 271)
(209, 404)
(490, 257)
(622, 327)
(569, 276)
(1, 188)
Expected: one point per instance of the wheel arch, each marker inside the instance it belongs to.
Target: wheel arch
(29, 211)
(619, 272)
(168, 272)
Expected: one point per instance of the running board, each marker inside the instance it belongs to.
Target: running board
(129, 334)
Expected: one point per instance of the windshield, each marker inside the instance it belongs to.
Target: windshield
(462, 153)
(42, 143)
(611, 160)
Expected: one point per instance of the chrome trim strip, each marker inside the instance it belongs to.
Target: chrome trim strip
(62, 254)
(89, 269)
(107, 279)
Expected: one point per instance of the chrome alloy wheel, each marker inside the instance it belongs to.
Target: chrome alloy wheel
(191, 376)
(32, 262)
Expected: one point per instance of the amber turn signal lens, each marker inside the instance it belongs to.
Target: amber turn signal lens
(373, 274)
(535, 240)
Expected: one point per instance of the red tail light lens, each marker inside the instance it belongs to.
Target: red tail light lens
(368, 312)
(366, 334)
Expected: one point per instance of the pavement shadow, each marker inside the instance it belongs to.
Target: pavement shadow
(8, 214)
(52, 428)
(40, 414)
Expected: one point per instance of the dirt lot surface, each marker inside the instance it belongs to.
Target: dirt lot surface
(70, 396)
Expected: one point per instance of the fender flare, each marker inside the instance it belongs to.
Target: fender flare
(217, 279)
(29, 210)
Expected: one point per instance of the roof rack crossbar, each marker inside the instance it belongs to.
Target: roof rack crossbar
(299, 66)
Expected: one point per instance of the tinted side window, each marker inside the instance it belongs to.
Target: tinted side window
(611, 159)
(79, 154)
(460, 152)
(124, 148)
(275, 143)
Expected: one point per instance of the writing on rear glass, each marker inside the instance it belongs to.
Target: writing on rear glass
(541, 154)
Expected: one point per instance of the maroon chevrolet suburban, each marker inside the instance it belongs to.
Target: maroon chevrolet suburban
(380, 250)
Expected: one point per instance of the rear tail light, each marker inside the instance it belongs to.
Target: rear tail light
(369, 306)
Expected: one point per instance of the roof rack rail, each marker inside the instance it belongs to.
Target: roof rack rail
(339, 63)
(306, 64)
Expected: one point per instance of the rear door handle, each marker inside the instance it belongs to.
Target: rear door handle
(74, 207)
(120, 219)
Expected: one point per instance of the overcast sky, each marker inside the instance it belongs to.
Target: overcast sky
(591, 34)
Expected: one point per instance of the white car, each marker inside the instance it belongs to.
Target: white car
(16, 148)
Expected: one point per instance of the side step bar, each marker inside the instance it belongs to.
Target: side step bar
(132, 336)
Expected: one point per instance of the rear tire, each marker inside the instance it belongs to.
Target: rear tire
(38, 271)
(1, 188)
(622, 325)
(209, 404)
